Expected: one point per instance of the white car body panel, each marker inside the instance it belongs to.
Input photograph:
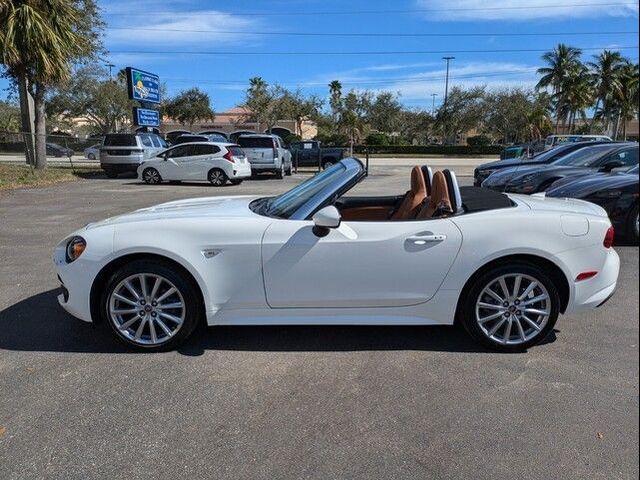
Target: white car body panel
(197, 167)
(257, 270)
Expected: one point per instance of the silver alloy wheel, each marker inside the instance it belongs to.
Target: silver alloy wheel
(146, 308)
(512, 309)
(151, 176)
(216, 177)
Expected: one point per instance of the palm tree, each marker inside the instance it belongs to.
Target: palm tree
(335, 99)
(605, 77)
(626, 98)
(577, 94)
(561, 61)
(38, 41)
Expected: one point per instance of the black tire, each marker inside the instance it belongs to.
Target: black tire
(632, 226)
(235, 182)
(217, 177)
(151, 176)
(188, 288)
(111, 173)
(91, 156)
(288, 172)
(467, 310)
(280, 172)
(328, 163)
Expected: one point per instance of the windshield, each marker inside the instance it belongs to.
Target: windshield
(256, 142)
(585, 157)
(288, 203)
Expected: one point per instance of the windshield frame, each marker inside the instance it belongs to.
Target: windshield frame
(353, 172)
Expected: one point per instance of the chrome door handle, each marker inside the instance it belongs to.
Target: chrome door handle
(423, 239)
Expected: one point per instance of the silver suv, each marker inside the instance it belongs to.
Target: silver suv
(266, 153)
(124, 152)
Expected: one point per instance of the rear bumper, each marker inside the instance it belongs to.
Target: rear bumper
(264, 167)
(120, 167)
(240, 170)
(592, 293)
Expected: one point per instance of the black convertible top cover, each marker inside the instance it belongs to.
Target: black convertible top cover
(477, 199)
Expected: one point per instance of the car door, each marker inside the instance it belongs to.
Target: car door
(176, 162)
(205, 157)
(359, 264)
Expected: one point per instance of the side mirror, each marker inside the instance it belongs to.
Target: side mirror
(610, 165)
(326, 219)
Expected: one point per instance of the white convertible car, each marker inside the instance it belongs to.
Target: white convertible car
(502, 266)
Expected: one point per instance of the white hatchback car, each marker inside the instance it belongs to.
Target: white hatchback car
(215, 162)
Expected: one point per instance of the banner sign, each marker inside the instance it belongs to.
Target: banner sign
(145, 117)
(143, 86)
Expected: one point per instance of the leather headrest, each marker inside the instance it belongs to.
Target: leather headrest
(427, 174)
(439, 190)
(418, 187)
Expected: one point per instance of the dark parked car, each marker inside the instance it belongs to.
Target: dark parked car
(616, 192)
(210, 137)
(311, 154)
(483, 171)
(55, 150)
(588, 160)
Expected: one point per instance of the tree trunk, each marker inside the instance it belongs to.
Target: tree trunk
(40, 126)
(26, 118)
(595, 111)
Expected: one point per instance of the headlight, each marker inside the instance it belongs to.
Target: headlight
(608, 194)
(75, 247)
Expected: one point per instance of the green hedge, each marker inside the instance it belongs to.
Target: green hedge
(431, 149)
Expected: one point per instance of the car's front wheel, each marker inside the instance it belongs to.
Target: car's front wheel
(217, 177)
(511, 307)
(151, 305)
(151, 176)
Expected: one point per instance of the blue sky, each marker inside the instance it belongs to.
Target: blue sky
(225, 27)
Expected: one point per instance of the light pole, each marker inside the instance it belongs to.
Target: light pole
(433, 103)
(109, 66)
(446, 96)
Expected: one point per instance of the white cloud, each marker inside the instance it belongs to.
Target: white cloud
(474, 10)
(182, 27)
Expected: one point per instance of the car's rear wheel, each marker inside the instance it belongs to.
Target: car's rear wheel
(217, 177)
(151, 305)
(280, 172)
(511, 307)
(288, 172)
(151, 176)
(91, 156)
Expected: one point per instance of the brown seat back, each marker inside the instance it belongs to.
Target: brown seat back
(439, 197)
(413, 199)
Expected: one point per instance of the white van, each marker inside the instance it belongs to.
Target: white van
(555, 140)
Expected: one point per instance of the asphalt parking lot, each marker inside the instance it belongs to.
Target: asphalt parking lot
(296, 402)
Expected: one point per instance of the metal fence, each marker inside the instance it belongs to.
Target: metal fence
(17, 147)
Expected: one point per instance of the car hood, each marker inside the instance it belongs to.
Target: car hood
(541, 202)
(588, 185)
(511, 162)
(206, 207)
(507, 174)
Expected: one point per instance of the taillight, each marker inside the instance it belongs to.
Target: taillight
(608, 238)
(275, 150)
(229, 156)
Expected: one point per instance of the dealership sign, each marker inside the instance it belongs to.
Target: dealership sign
(145, 117)
(143, 86)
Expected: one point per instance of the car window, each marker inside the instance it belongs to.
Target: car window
(204, 149)
(585, 157)
(179, 151)
(146, 141)
(288, 203)
(120, 140)
(156, 141)
(236, 151)
(255, 142)
(628, 157)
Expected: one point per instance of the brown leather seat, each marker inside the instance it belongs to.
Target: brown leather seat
(439, 199)
(412, 201)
